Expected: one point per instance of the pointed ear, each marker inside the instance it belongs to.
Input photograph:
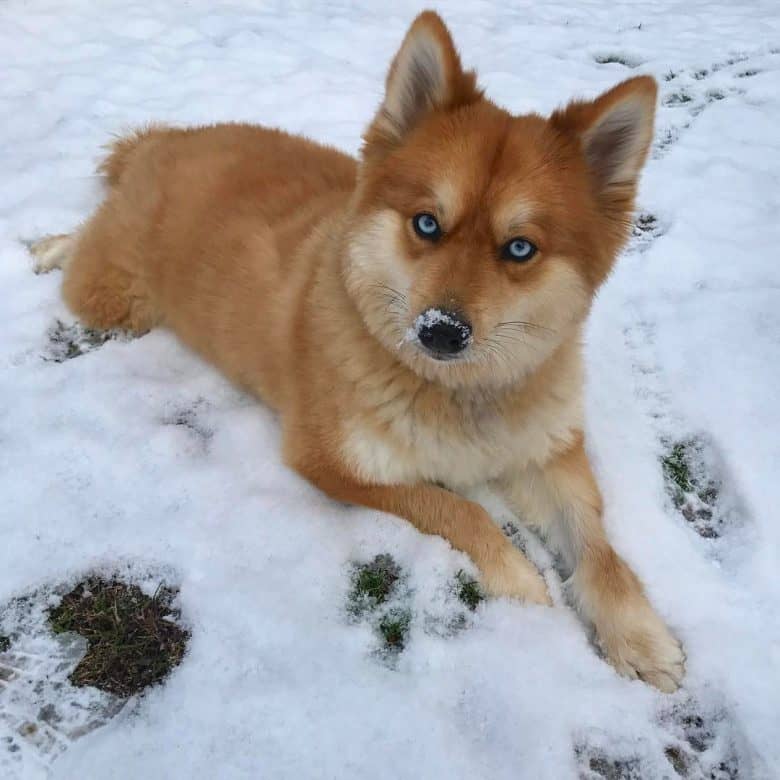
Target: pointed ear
(614, 131)
(425, 76)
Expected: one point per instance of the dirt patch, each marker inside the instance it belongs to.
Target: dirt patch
(133, 639)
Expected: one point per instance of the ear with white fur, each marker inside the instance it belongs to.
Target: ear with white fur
(615, 132)
(425, 76)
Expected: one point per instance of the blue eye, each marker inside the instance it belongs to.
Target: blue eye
(519, 250)
(426, 226)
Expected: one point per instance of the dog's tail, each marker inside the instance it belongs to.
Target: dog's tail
(122, 149)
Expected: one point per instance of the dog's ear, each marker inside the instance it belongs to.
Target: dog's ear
(614, 131)
(425, 76)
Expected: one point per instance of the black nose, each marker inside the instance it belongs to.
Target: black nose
(443, 333)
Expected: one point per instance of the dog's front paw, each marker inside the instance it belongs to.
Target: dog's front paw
(638, 644)
(511, 574)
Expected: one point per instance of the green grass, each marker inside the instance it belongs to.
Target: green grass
(677, 469)
(694, 492)
(372, 584)
(394, 628)
(374, 596)
(133, 640)
(379, 596)
(468, 590)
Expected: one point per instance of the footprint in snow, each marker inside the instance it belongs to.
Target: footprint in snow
(697, 742)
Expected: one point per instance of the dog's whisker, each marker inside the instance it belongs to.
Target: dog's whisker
(500, 339)
(524, 324)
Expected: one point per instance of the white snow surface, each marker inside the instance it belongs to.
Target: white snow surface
(137, 457)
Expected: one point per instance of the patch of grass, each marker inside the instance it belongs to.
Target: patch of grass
(5, 643)
(372, 583)
(468, 590)
(133, 639)
(375, 596)
(694, 493)
(394, 627)
(677, 469)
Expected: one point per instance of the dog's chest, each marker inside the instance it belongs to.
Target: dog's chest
(456, 443)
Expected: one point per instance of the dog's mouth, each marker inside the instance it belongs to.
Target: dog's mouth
(441, 357)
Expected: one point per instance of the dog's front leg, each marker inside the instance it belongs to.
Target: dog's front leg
(504, 570)
(563, 500)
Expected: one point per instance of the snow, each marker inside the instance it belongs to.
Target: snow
(428, 319)
(135, 456)
(431, 317)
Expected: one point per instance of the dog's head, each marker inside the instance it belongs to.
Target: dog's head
(479, 238)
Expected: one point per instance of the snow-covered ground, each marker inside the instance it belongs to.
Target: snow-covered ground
(138, 457)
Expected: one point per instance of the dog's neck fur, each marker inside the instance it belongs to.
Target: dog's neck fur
(404, 427)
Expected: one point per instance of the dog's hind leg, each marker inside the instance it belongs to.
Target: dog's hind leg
(101, 284)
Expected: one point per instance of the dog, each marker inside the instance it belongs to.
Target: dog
(413, 316)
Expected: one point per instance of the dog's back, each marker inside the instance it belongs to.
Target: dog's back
(199, 230)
